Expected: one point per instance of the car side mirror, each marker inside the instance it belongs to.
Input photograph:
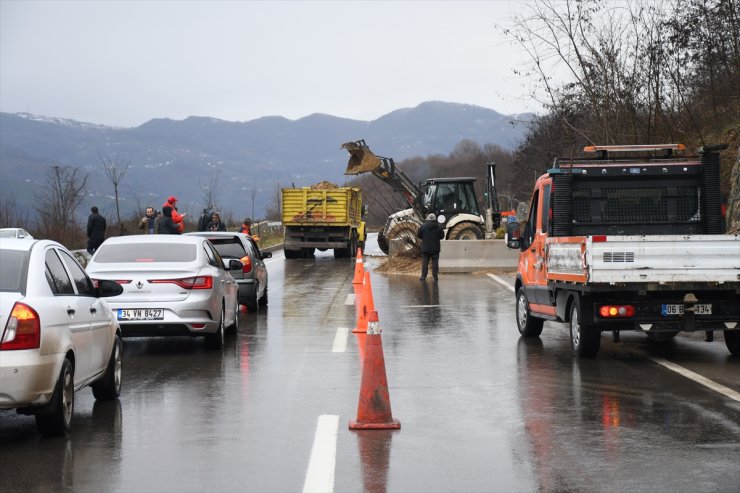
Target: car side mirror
(234, 265)
(266, 254)
(513, 235)
(108, 288)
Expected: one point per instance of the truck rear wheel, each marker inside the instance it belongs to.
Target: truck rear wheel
(291, 254)
(732, 340)
(528, 325)
(466, 231)
(662, 336)
(584, 339)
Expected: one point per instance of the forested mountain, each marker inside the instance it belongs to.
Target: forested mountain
(250, 159)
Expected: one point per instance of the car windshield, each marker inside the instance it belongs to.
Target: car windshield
(150, 252)
(228, 247)
(11, 269)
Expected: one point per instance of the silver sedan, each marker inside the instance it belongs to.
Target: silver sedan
(172, 285)
(56, 333)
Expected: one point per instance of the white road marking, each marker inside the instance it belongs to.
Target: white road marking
(350, 299)
(501, 281)
(320, 473)
(340, 340)
(727, 392)
(419, 306)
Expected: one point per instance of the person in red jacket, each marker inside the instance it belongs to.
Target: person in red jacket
(177, 218)
(247, 229)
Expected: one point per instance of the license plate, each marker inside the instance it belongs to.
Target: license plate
(673, 310)
(141, 314)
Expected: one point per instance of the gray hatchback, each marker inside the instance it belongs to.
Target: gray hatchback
(252, 279)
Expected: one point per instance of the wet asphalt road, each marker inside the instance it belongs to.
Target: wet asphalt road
(480, 408)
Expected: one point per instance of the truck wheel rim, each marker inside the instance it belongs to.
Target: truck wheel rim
(522, 311)
(575, 328)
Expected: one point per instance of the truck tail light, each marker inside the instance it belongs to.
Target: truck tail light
(197, 282)
(246, 264)
(616, 311)
(23, 330)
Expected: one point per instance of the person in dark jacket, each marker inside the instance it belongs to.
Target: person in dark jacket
(166, 225)
(95, 230)
(431, 232)
(149, 222)
(216, 224)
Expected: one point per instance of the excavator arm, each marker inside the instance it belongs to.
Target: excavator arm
(363, 160)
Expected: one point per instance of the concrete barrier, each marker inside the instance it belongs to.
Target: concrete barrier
(473, 255)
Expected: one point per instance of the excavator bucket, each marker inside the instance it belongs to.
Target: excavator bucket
(361, 158)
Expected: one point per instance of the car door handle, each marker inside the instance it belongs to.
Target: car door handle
(70, 311)
(93, 310)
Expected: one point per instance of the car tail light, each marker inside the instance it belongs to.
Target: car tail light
(196, 282)
(23, 330)
(246, 264)
(617, 311)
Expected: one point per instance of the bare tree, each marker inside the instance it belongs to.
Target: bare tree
(58, 202)
(115, 168)
(211, 189)
(10, 214)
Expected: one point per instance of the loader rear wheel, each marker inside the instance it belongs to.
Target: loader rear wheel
(382, 243)
(466, 231)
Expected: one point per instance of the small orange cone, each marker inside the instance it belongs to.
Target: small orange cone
(365, 307)
(359, 268)
(374, 406)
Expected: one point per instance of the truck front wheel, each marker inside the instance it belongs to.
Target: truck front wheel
(528, 325)
(732, 340)
(584, 339)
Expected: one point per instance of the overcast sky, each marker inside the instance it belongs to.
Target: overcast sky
(123, 63)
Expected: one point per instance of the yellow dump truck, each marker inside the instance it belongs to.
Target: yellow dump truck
(323, 218)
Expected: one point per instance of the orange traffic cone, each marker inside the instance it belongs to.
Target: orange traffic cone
(374, 406)
(365, 307)
(359, 268)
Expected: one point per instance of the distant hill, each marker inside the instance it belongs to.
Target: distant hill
(171, 157)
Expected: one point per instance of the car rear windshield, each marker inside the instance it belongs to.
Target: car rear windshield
(148, 252)
(229, 247)
(12, 266)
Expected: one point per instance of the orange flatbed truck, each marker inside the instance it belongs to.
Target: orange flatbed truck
(628, 238)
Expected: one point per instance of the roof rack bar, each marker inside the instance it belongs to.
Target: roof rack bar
(636, 148)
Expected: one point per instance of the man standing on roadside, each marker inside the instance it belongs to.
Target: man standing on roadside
(95, 230)
(148, 223)
(430, 233)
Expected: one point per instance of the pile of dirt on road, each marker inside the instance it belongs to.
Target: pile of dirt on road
(399, 264)
(324, 185)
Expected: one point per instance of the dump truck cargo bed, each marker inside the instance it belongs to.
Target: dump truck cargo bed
(322, 207)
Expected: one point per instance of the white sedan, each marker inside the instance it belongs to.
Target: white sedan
(57, 334)
(15, 233)
(172, 285)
